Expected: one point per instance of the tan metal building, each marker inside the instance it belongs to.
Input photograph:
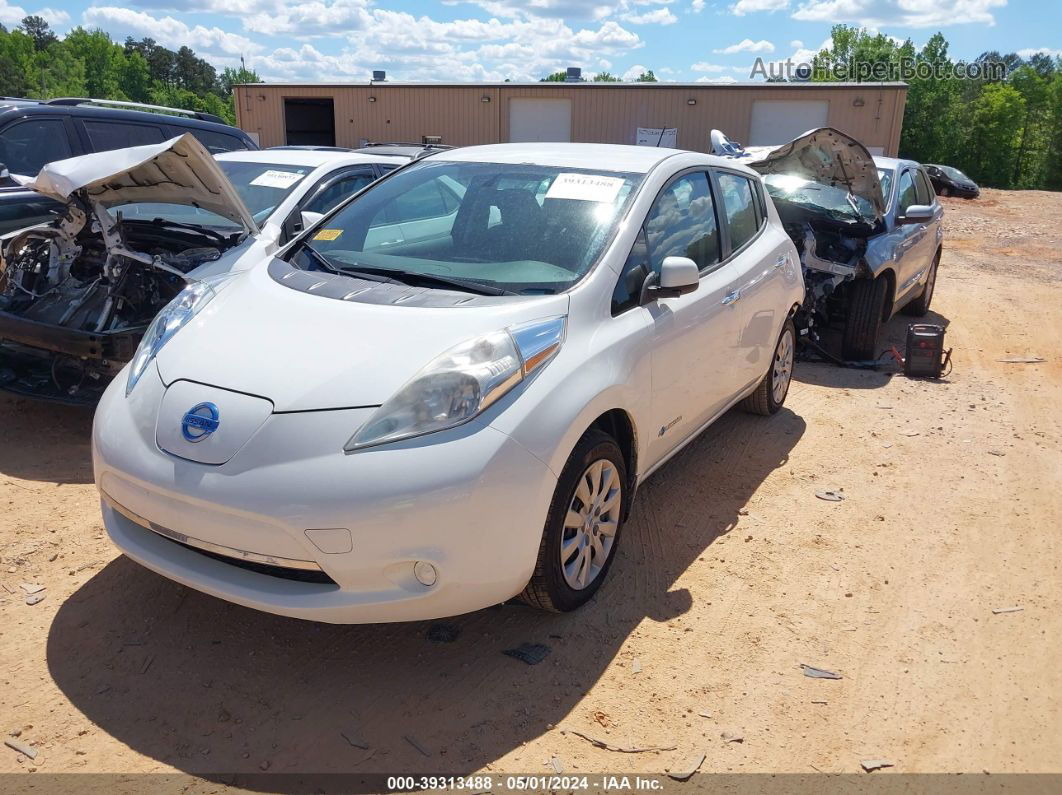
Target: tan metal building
(462, 114)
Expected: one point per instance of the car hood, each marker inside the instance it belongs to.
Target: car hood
(305, 351)
(178, 171)
(827, 156)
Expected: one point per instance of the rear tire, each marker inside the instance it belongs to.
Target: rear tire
(920, 305)
(771, 391)
(866, 306)
(592, 489)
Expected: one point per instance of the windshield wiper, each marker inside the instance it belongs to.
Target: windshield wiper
(158, 220)
(415, 278)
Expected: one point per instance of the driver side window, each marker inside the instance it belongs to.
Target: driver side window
(908, 194)
(682, 223)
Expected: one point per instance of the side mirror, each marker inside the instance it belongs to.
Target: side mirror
(310, 218)
(916, 214)
(678, 276)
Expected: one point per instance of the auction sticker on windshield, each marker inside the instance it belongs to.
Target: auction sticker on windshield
(328, 234)
(276, 179)
(585, 187)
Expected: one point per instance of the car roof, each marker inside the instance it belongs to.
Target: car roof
(602, 157)
(15, 106)
(313, 158)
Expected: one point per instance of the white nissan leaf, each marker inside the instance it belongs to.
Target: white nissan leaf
(446, 393)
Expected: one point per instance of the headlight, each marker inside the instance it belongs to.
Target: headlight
(462, 382)
(174, 316)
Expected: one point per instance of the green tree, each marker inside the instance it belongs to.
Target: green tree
(38, 29)
(231, 77)
(554, 77)
(135, 77)
(993, 121)
(929, 125)
(606, 77)
(646, 77)
(102, 59)
(16, 63)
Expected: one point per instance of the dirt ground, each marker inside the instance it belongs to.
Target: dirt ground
(731, 574)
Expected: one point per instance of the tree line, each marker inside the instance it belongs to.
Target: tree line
(1003, 128)
(35, 63)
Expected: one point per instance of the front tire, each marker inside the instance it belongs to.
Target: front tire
(866, 306)
(770, 394)
(582, 527)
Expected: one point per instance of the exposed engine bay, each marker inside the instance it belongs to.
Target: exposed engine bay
(77, 294)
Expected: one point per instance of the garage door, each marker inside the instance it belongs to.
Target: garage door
(532, 119)
(780, 121)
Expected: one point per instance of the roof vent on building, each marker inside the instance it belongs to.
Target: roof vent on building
(574, 75)
(379, 76)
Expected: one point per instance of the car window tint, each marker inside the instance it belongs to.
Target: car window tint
(922, 189)
(628, 289)
(107, 135)
(907, 194)
(424, 201)
(338, 191)
(216, 142)
(26, 146)
(740, 208)
(682, 223)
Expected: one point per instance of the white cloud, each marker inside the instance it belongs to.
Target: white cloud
(168, 31)
(747, 45)
(558, 9)
(635, 72)
(659, 16)
(723, 79)
(714, 68)
(796, 44)
(11, 16)
(314, 18)
(697, 6)
(898, 13)
(742, 7)
(1031, 51)
(423, 49)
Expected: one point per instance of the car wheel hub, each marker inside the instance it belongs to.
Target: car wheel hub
(783, 367)
(590, 525)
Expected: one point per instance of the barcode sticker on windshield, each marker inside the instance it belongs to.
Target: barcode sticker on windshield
(276, 179)
(585, 187)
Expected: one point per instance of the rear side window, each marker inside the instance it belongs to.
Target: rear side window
(739, 201)
(682, 223)
(907, 194)
(216, 142)
(25, 146)
(107, 135)
(923, 189)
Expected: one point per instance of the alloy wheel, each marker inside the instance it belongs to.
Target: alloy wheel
(591, 524)
(783, 366)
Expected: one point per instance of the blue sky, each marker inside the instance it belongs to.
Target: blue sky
(474, 40)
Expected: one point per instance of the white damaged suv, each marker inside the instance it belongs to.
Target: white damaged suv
(445, 394)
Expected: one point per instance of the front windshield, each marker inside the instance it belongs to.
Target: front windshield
(261, 186)
(885, 178)
(523, 229)
(954, 173)
(837, 202)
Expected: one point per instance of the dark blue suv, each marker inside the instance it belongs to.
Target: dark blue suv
(34, 132)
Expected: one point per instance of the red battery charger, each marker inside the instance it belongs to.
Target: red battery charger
(926, 357)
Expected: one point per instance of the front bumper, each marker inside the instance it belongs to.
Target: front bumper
(471, 501)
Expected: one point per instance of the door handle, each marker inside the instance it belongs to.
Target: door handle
(731, 298)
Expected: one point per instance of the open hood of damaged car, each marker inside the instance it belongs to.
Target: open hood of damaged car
(178, 171)
(826, 156)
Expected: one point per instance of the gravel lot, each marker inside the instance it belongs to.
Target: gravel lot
(730, 576)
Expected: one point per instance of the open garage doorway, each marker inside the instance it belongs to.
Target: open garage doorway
(309, 122)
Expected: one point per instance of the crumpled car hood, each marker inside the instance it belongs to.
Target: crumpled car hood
(827, 156)
(178, 171)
